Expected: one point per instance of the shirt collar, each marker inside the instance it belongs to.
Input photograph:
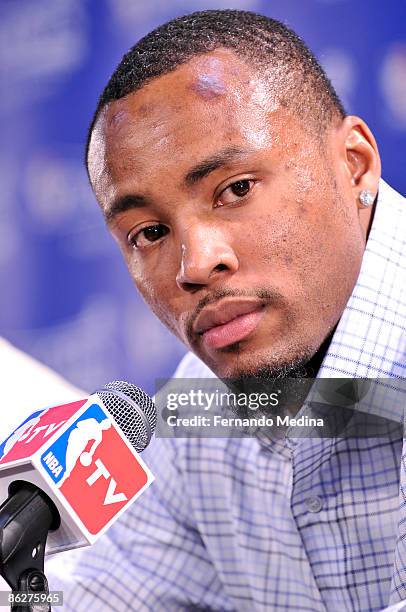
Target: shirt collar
(370, 339)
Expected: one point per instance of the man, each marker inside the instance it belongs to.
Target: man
(250, 213)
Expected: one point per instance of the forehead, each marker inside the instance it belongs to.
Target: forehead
(212, 101)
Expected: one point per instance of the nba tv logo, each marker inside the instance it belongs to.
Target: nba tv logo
(93, 468)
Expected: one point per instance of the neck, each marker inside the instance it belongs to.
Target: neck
(313, 365)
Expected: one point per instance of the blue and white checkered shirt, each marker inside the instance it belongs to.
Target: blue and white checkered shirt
(255, 524)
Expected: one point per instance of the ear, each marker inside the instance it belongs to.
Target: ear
(360, 156)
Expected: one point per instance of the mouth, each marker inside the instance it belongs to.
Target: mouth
(228, 322)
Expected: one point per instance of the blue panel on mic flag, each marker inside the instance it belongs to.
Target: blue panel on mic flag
(74, 444)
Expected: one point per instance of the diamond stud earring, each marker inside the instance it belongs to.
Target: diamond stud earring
(366, 198)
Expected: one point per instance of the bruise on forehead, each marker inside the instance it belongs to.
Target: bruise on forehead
(209, 77)
(208, 86)
(120, 112)
(116, 118)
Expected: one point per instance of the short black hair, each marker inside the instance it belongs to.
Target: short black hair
(263, 42)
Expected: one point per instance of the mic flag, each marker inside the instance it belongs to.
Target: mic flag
(80, 458)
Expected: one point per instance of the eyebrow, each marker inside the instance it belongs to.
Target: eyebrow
(124, 203)
(194, 175)
(213, 162)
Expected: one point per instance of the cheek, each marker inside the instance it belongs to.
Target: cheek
(302, 249)
(157, 290)
(283, 242)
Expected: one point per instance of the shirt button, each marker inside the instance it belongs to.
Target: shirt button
(314, 504)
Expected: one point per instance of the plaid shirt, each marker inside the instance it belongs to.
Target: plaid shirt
(255, 524)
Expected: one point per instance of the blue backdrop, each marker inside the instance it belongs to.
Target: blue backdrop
(66, 296)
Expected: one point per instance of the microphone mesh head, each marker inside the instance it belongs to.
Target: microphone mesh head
(132, 409)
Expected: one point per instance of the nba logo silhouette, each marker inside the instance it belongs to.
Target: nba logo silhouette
(94, 468)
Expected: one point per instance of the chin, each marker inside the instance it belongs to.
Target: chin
(242, 366)
(289, 382)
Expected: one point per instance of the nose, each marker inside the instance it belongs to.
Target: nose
(206, 254)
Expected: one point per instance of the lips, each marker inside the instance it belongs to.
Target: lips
(228, 322)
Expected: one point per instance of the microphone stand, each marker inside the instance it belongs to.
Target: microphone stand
(26, 516)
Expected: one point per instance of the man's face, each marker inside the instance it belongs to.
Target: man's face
(238, 225)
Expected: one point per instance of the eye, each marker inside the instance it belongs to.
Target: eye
(234, 192)
(147, 235)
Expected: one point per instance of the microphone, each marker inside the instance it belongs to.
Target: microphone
(80, 460)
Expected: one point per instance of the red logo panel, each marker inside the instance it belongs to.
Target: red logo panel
(97, 492)
(36, 430)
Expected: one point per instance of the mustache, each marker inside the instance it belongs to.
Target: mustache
(270, 296)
